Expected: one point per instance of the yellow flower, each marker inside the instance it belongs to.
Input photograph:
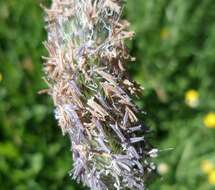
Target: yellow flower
(211, 178)
(1, 77)
(28, 64)
(164, 33)
(209, 120)
(207, 166)
(192, 98)
(163, 168)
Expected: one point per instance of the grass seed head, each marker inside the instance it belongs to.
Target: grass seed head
(92, 93)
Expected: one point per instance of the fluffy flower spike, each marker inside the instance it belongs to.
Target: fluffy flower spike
(85, 72)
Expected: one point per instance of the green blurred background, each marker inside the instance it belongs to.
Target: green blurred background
(175, 50)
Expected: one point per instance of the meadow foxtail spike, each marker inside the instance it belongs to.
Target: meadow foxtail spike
(92, 93)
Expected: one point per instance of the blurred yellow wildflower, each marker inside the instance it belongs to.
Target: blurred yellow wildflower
(164, 33)
(192, 98)
(163, 168)
(207, 166)
(209, 120)
(28, 64)
(211, 178)
(1, 77)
